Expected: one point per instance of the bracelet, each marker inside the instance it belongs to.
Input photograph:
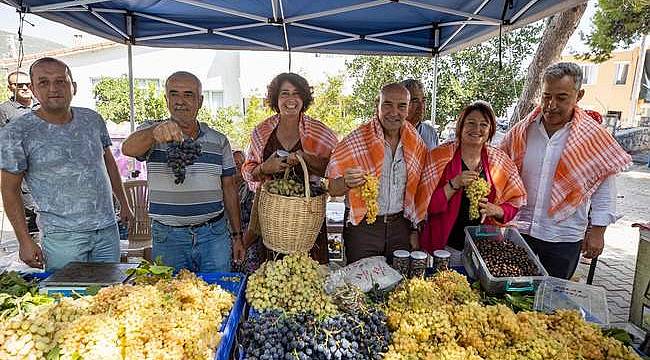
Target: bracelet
(452, 186)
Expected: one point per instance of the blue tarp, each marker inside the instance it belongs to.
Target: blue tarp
(390, 27)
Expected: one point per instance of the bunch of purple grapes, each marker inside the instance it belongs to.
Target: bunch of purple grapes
(180, 155)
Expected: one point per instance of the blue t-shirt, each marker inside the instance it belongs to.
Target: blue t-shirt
(64, 168)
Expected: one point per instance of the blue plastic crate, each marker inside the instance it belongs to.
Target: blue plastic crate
(234, 283)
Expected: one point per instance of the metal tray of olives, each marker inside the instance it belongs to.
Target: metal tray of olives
(477, 268)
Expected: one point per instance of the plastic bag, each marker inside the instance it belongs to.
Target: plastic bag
(364, 274)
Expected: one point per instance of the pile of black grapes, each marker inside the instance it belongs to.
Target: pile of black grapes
(273, 335)
(180, 155)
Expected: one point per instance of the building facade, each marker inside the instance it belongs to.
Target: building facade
(617, 88)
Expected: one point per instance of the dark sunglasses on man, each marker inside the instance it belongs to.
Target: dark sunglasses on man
(20, 85)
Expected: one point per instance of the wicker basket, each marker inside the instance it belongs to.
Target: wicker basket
(290, 225)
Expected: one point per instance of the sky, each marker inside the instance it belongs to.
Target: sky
(254, 74)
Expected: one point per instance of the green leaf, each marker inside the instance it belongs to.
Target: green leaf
(54, 354)
(161, 270)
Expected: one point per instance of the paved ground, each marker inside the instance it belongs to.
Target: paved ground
(615, 268)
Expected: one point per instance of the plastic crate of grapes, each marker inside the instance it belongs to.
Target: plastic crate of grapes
(476, 267)
(590, 301)
(234, 283)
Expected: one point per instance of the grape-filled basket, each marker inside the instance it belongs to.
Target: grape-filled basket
(290, 224)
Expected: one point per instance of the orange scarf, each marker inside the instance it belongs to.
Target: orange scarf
(364, 148)
(590, 156)
(316, 139)
(508, 186)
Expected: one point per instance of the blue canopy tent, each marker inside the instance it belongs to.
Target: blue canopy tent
(377, 27)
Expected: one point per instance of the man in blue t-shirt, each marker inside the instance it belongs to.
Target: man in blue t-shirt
(188, 227)
(63, 154)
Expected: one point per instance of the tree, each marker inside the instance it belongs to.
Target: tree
(238, 127)
(559, 29)
(616, 23)
(332, 107)
(112, 95)
(471, 74)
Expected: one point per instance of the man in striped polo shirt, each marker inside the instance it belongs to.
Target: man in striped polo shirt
(188, 228)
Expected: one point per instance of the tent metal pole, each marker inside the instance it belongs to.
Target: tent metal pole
(129, 30)
(434, 91)
(131, 92)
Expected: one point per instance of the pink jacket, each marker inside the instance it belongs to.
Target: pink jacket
(442, 214)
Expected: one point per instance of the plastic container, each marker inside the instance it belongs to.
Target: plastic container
(234, 283)
(441, 260)
(418, 263)
(402, 262)
(591, 301)
(477, 269)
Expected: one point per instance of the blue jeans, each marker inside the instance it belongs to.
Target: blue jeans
(60, 248)
(201, 249)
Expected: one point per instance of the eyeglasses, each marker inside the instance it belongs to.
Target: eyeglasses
(20, 85)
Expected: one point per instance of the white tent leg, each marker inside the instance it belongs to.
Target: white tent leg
(131, 93)
(434, 90)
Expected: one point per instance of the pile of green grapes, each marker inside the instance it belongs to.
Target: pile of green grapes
(284, 187)
(176, 318)
(293, 284)
(476, 190)
(442, 319)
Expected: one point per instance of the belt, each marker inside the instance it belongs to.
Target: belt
(207, 222)
(389, 218)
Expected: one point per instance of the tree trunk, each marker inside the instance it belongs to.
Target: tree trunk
(559, 29)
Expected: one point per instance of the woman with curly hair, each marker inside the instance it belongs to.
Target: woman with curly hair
(289, 130)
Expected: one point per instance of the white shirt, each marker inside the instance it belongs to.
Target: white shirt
(392, 182)
(540, 161)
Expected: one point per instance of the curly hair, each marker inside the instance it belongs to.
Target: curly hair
(482, 107)
(273, 90)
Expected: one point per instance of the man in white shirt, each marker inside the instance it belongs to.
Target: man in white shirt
(568, 163)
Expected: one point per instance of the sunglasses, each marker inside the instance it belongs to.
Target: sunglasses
(20, 85)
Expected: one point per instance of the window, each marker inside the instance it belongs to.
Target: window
(621, 73)
(588, 74)
(213, 99)
(145, 83)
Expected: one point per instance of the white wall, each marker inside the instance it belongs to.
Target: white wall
(220, 68)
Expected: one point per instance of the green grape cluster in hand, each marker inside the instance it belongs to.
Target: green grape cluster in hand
(475, 191)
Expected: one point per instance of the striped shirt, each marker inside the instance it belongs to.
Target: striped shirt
(200, 197)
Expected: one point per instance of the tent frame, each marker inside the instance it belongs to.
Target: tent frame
(278, 20)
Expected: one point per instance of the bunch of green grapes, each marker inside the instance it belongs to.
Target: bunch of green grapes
(475, 191)
(284, 187)
(293, 284)
(370, 193)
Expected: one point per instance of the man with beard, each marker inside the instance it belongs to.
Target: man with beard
(188, 228)
(568, 162)
(389, 148)
(63, 153)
